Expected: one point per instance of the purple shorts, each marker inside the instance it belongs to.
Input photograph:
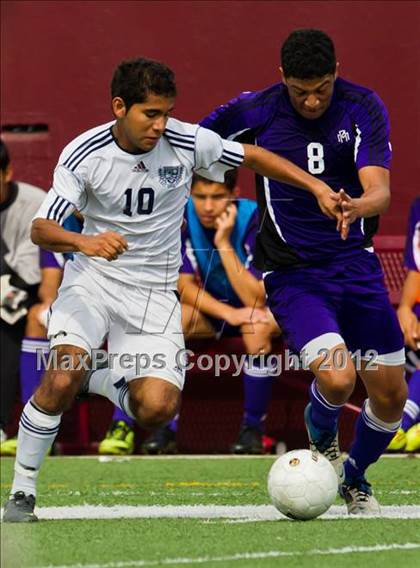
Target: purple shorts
(346, 297)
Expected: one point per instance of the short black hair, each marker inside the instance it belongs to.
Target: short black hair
(308, 54)
(4, 156)
(135, 79)
(231, 179)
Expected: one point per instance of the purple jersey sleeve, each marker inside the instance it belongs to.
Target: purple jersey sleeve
(249, 244)
(412, 247)
(49, 259)
(247, 112)
(372, 146)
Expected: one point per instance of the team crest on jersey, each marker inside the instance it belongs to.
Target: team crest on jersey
(169, 176)
(343, 136)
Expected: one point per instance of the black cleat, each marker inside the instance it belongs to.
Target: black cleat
(162, 441)
(20, 509)
(250, 441)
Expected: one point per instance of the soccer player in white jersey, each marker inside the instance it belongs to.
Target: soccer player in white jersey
(130, 178)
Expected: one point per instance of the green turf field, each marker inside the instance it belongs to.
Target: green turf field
(202, 512)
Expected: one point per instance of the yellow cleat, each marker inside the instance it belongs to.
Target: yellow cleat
(8, 447)
(398, 442)
(119, 440)
(413, 439)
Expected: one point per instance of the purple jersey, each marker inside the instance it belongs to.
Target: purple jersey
(351, 134)
(50, 259)
(412, 247)
(190, 264)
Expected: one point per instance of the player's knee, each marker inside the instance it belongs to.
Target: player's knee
(339, 386)
(257, 338)
(34, 327)
(57, 391)
(154, 409)
(155, 414)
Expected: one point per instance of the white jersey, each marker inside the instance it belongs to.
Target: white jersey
(138, 195)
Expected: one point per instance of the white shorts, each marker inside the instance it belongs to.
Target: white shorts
(142, 325)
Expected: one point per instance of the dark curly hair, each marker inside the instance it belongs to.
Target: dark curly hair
(231, 179)
(134, 80)
(4, 156)
(308, 54)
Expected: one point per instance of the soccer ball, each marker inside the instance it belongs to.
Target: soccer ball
(302, 485)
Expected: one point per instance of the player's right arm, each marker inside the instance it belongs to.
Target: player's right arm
(50, 235)
(68, 194)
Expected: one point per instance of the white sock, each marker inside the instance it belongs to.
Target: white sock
(37, 432)
(111, 386)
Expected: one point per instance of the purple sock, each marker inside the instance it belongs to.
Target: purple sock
(412, 406)
(258, 384)
(30, 376)
(173, 424)
(324, 415)
(121, 415)
(372, 438)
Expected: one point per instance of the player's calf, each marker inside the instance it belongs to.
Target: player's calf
(388, 403)
(334, 383)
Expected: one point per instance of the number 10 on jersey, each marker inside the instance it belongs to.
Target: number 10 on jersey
(145, 201)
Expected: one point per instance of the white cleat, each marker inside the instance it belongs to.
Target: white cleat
(359, 499)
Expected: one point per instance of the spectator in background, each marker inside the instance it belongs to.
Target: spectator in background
(408, 436)
(20, 276)
(219, 286)
(35, 338)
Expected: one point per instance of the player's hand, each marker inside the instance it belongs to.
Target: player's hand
(224, 226)
(349, 213)
(107, 245)
(329, 203)
(240, 316)
(409, 325)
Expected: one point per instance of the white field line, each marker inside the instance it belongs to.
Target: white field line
(246, 556)
(106, 459)
(244, 512)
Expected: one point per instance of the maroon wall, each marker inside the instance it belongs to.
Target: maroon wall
(58, 57)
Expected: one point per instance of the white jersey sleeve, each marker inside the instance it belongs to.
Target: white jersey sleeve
(66, 195)
(70, 181)
(214, 155)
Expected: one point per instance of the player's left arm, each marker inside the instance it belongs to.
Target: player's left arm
(375, 199)
(372, 159)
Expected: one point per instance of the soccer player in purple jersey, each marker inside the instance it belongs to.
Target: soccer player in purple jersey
(408, 436)
(324, 282)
